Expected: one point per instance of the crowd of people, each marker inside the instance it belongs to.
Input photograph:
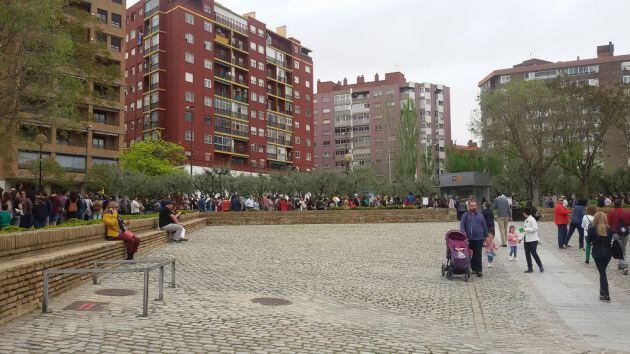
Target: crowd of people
(601, 236)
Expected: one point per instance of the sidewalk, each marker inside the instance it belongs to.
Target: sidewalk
(573, 293)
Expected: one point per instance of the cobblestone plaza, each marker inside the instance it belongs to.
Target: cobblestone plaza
(352, 288)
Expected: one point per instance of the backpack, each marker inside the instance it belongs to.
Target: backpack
(72, 208)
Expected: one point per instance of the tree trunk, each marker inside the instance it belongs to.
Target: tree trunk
(535, 188)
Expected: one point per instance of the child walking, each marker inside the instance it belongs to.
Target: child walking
(490, 247)
(512, 238)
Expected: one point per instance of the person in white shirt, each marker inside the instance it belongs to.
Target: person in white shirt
(135, 206)
(249, 202)
(587, 221)
(531, 238)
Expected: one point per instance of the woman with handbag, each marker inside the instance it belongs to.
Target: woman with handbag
(117, 231)
(599, 236)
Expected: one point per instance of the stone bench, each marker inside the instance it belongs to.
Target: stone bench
(21, 272)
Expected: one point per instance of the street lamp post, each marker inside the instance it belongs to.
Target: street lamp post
(192, 110)
(87, 144)
(40, 139)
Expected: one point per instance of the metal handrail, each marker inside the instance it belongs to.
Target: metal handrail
(159, 263)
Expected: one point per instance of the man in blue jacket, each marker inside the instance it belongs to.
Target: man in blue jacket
(474, 225)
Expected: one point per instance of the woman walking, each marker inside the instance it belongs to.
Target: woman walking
(600, 237)
(587, 221)
(531, 238)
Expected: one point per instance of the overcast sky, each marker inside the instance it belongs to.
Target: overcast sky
(452, 42)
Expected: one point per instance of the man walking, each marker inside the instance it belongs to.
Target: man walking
(619, 222)
(474, 225)
(561, 218)
(502, 205)
(168, 222)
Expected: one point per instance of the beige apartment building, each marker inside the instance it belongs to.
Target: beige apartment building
(99, 139)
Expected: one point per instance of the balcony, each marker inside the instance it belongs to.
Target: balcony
(230, 23)
(277, 62)
(280, 141)
(221, 39)
(229, 113)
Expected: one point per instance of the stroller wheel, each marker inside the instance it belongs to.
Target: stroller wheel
(449, 273)
(443, 269)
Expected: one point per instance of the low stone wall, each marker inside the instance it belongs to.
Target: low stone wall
(29, 241)
(332, 217)
(21, 274)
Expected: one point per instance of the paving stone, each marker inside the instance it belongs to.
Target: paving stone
(371, 288)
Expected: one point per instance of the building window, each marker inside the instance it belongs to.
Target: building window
(307, 69)
(626, 79)
(116, 20)
(207, 26)
(189, 135)
(189, 38)
(98, 143)
(308, 156)
(207, 120)
(188, 116)
(207, 64)
(188, 77)
(296, 154)
(252, 80)
(189, 57)
(116, 44)
(261, 66)
(189, 18)
(308, 84)
(505, 79)
(297, 140)
(189, 96)
(207, 83)
(252, 29)
(252, 45)
(101, 15)
(252, 63)
(252, 130)
(207, 45)
(207, 139)
(296, 64)
(296, 79)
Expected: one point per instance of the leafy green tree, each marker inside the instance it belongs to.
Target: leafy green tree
(474, 160)
(407, 152)
(590, 115)
(524, 120)
(153, 157)
(47, 65)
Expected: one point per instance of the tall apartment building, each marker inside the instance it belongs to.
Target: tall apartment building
(607, 69)
(357, 124)
(228, 89)
(101, 139)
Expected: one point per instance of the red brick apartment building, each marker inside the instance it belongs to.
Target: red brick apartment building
(607, 69)
(356, 125)
(228, 89)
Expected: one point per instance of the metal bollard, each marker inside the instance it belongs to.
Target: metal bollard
(161, 291)
(173, 274)
(145, 295)
(45, 293)
(94, 275)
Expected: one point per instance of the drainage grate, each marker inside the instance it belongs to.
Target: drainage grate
(271, 301)
(86, 306)
(116, 292)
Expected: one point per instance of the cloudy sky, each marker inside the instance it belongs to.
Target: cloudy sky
(453, 42)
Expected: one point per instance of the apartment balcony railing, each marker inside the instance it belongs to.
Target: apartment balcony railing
(222, 39)
(282, 126)
(278, 157)
(230, 23)
(277, 62)
(280, 141)
(230, 113)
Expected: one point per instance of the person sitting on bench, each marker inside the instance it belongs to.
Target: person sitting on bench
(168, 222)
(117, 230)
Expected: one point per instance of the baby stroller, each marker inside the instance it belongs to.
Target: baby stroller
(457, 255)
